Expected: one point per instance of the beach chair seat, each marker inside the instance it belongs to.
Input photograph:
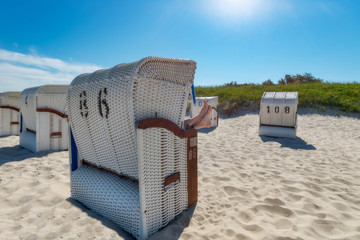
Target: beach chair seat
(108, 195)
(127, 133)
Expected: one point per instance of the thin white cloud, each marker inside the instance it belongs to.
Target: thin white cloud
(19, 71)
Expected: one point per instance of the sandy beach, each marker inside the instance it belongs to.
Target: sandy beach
(250, 187)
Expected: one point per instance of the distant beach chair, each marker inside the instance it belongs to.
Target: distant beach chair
(9, 113)
(44, 123)
(278, 114)
(131, 159)
(198, 105)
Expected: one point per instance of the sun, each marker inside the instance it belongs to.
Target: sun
(236, 10)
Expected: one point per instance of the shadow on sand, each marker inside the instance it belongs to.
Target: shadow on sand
(296, 144)
(18, 153)
(206, 130)
(175, 227)
(106, 222)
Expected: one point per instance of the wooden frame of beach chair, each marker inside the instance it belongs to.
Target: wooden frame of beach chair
(131, 159)
(9, 113)
(44, 124)
(198, 105)
(278, 114)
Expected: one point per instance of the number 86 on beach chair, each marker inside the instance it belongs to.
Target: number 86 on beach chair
(131, 159)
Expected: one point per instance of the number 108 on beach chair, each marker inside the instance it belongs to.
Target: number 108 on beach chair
(278, 114)
(131, 159)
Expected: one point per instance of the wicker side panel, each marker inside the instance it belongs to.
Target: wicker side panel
(52, 101)
(28, 107)
(64, 129)
(5, 119)
(59, 135)
(15, 122)
(108, 195)
(43, 131)
(154, 98)
(163, 155)
(28, 141)
(102, 120)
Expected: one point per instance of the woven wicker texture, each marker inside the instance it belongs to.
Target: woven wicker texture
(115, 198)
(105, 133)
(104, 108)
(163, 154)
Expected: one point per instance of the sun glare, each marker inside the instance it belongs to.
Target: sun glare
(236, 10)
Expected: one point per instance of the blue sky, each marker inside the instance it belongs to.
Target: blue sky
(51, 42)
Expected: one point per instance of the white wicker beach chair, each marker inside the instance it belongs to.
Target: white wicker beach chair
(131, 159)
(9, 113)
(278, 114)
(44, 123)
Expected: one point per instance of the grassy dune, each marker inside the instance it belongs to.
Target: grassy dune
(316, 95)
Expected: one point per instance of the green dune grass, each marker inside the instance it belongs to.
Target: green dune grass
(232, 98)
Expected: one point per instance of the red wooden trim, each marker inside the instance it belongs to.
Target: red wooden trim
(110, 171)
(161, 123)
(62, 115)
(55, 134)
(172, 178)
(167, 124)
(269, 125)
(29, 130)
(14, 123)
(192, 170)
(190, 132)
(12, 108)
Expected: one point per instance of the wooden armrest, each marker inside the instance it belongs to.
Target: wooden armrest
(166, 124)
(12, 108)
(62, 115)
(172, 179)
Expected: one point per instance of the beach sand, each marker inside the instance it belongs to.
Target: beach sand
(250, 187)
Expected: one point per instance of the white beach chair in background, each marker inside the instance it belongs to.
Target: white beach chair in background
(278, 114)
(198, 105)
(131, 159)
(44, 123)
(9, 113)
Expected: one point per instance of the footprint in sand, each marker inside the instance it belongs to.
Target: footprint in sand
(274, 201)
(283, 224)
(228, 232)
(276, 210)
(253, 228)
(224, 179)
(233, 191)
